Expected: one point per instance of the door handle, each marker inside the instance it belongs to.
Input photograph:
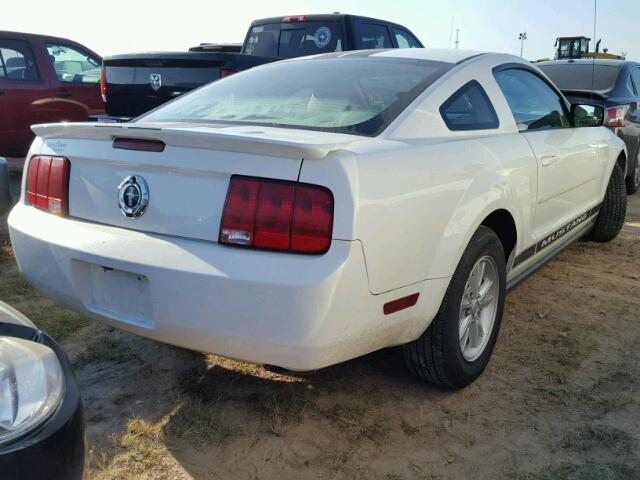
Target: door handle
(549, 159)
(63, 94)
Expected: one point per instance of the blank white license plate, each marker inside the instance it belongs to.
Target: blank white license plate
(121, 295)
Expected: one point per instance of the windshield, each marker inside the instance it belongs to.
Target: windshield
(579, 76)
(359, 96)
(297, 39)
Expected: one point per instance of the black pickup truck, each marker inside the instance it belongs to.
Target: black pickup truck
(134, 84)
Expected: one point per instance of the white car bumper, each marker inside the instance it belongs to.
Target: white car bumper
(298, 312)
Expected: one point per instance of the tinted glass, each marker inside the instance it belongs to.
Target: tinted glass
(405, 39)
(349, 95)
(535, 105)
(294, 39)
(73, 66)
(374, 36)
(469, 109)
(579, 76)
(635, 78)
(16, 61)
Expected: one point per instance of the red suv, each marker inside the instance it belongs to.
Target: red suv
(44, 79)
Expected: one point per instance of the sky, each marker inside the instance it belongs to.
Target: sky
(119, 26)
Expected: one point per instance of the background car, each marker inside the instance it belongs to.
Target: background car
(614, 84)
(44, 79)
(41, 415)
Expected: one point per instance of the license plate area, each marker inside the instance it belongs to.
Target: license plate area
(117, 294)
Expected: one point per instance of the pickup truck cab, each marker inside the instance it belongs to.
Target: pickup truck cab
(42, 80)
(136, 83)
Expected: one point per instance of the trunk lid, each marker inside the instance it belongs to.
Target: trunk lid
(188, 181)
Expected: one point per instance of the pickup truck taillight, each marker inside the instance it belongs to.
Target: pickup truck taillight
(615, 116)
(226, 72)
(103, 84)
(277, 215)
(47, 184)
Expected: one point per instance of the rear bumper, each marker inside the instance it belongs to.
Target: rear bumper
(298, 312)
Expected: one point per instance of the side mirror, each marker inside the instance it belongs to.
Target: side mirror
(5, 187)
(584, 115)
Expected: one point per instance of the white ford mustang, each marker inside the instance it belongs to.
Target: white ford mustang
(310, 211)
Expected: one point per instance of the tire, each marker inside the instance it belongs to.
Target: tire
(633, 180)
(613, 210)
(437, 356)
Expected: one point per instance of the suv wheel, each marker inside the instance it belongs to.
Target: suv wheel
(456, 347)
(614, 209)
(633, 180)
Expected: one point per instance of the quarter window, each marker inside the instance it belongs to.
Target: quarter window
(73, 66)
(535, 105)
(635, 78)
(405, 39)
(374, 36)
(469, 109)
(16, 61)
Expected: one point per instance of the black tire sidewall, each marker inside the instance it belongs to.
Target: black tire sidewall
(460, 371)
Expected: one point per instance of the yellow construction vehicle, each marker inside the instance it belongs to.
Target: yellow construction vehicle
(578, 47)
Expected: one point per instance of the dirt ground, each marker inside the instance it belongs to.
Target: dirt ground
(559, 400)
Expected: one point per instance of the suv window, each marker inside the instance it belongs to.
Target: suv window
(73, 66)
(535, 105)
(635, 78)
(293, 39)
(374, 36)
(16, 61)
(469, 109)
(405, 39)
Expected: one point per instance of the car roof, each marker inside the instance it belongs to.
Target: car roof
(430, 54)
(321, 17)
(46, 38)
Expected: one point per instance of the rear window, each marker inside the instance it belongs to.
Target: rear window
(579, 76)
(294, 39)
(359, 96)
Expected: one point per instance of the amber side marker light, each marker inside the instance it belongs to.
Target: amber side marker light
(400, 304)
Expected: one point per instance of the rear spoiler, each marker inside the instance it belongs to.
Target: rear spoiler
(227, 138)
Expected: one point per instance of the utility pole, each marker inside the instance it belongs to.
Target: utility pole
(457, 38)
(522, 37)
(451, 33)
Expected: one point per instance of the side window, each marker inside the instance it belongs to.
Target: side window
(635, 78)
(374, 36)
(469, 109)
(535, 105)
(73, 66)
(405, 39)
(17, 62)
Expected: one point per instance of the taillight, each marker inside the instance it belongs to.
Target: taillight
(616, 115)
(47, 184)
(103, 84)
(226, 72)
(295, 18)
(277, 215)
